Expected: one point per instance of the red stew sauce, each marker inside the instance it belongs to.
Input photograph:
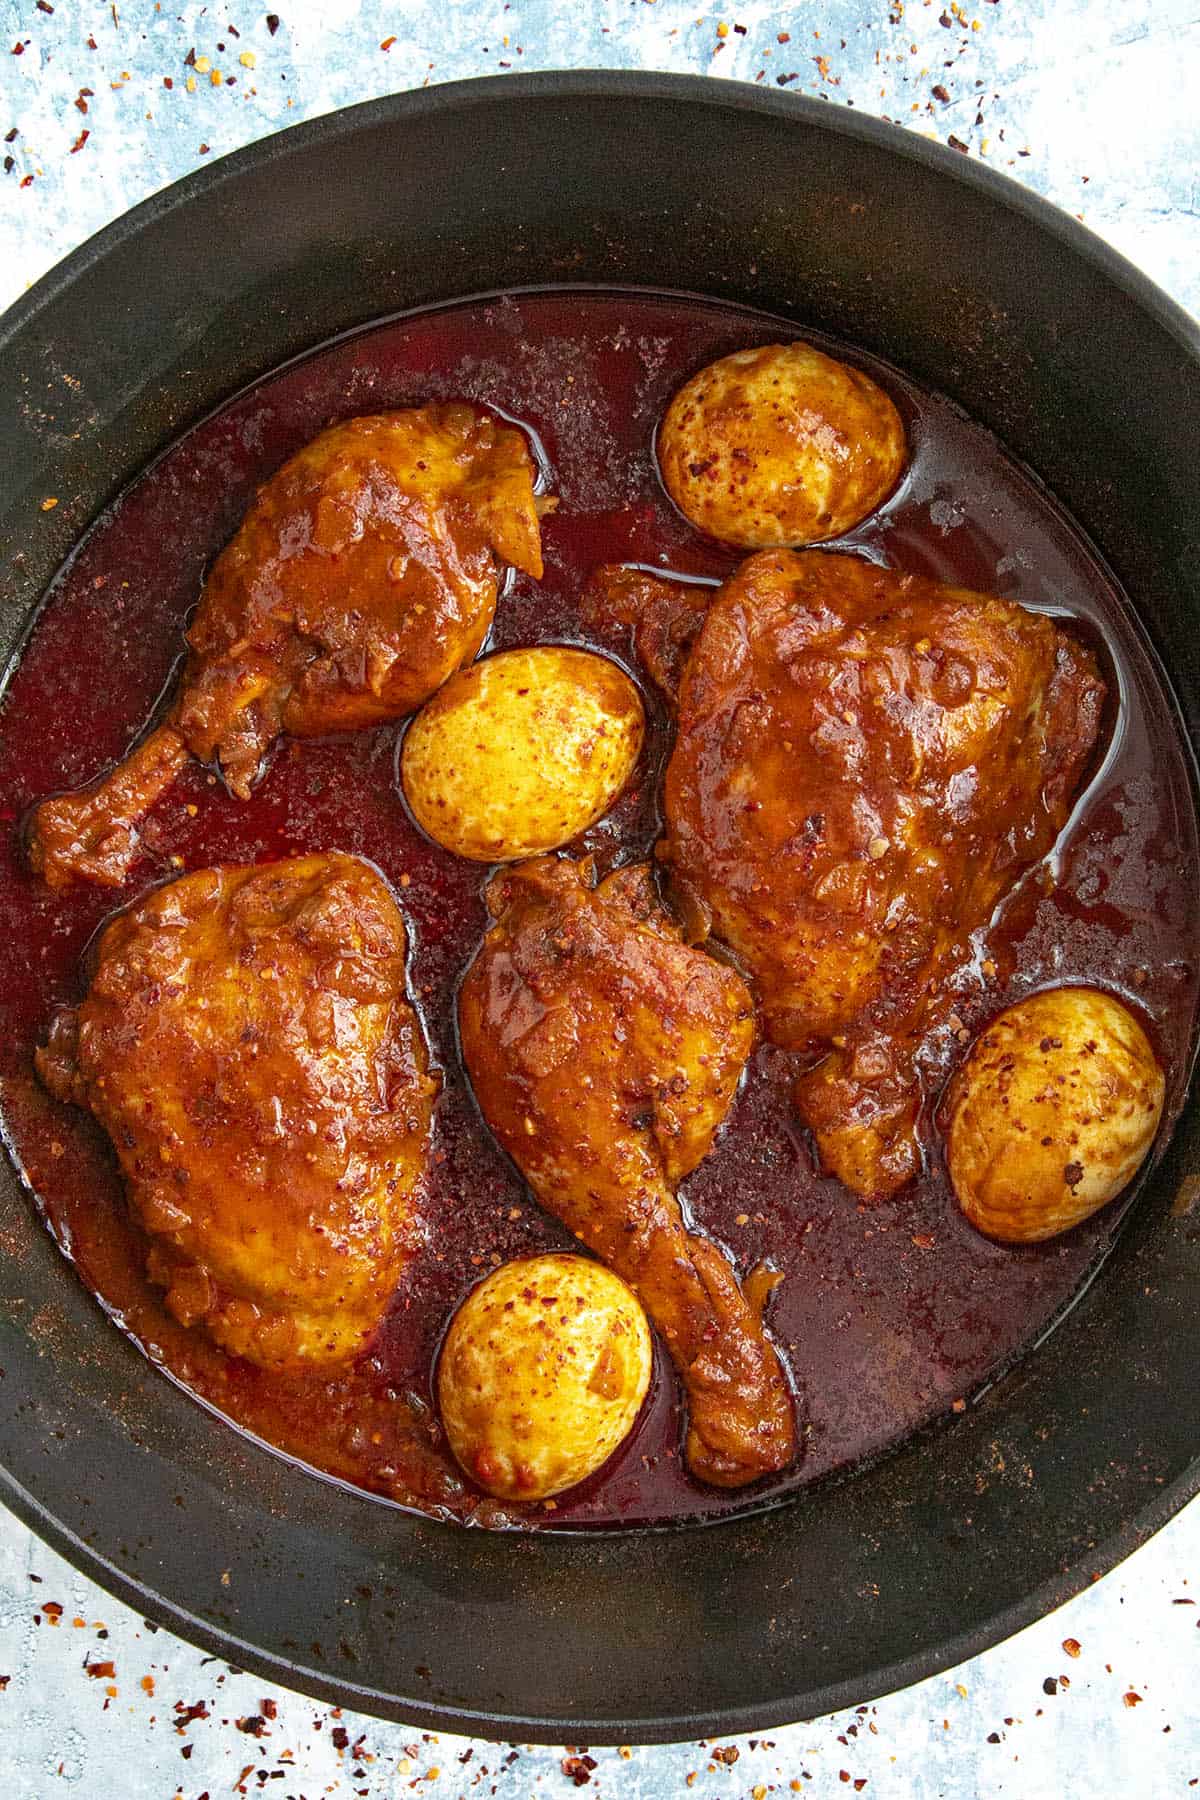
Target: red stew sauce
(888, 1314)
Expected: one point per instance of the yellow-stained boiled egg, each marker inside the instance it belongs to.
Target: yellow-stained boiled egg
(780, 446)
(542, 1374)
(522, 751)
(1052, 1113)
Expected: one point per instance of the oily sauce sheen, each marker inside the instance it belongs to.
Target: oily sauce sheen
(887, 1313)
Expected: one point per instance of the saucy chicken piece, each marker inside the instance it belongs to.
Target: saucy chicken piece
(664, 617)
(247, 1044)
(865, 763)
(604, 1054)
(364, 574)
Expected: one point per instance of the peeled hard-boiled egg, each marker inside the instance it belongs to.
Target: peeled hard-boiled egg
(780, 446)
(1052, 1113)
(542, 1374)
(519, 753)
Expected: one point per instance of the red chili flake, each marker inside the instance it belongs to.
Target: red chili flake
(189, 60)
(10, 137)
(956, 143)
(204, 149)
(80, 141)
(941, 93)
(10, 163)
(783, 37)
(783, 80)
(18, 49)
(101, 1671)
(92, 44)
(1132, 1699)
(387, 43)
(167, 82)
(946, 20)
(844, 1775)
(187, 1713)
(1071, 1646)
(254, 1726)
(727, 1754)
(272, 23)
(26, 180)
(4, 1681)
(340, 1736)
(269, 1709)
(44, 6)
(578, 1769)
(860, 1784)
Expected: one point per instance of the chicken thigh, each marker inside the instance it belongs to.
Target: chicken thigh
(604, 1054)
(865, 762)
(364, 574)
(247, 1044)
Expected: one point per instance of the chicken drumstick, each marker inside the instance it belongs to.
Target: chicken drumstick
(604, 1054)
(364, 574)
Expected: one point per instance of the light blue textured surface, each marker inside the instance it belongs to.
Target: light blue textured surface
(1095, 107)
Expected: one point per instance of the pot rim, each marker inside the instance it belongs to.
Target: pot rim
(592, 84)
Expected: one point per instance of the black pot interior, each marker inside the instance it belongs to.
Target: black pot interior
(1090, 377)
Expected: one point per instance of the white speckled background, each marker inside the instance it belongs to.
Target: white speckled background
(1097, 107)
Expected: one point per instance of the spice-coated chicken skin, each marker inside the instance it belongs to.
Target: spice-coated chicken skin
(364, 574)
(865, 762)
(247, 1044)
(604, 1054)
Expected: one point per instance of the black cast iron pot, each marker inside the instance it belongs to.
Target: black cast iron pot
(1090, 375)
